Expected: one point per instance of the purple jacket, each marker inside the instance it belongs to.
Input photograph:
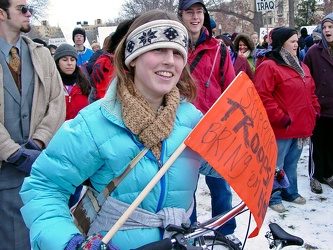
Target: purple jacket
(241, 64)
(320, 64)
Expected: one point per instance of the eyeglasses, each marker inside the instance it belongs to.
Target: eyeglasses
(25, 8)
(191, 13)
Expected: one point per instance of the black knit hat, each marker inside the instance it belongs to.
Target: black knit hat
(304, 31)
(186, 4)
(79, 31)
(280, 35)
(65, 50)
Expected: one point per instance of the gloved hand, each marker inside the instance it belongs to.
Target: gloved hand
(280, 180)
(100, 69)
(24, 158)
(317, 116)
(93, 242)
(285, 121)
(31, 144)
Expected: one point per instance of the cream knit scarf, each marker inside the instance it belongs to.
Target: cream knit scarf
(247, 54)
(150, 126)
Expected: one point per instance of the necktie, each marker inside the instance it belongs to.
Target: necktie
(14, 60)
(15, 64)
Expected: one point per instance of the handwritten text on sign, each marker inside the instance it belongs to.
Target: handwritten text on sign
(265, 5)
(236, 138)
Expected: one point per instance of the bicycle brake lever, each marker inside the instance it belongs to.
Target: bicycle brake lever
(183, 244)
(184, 228)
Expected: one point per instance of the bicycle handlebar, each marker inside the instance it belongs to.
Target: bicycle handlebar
(185, 233)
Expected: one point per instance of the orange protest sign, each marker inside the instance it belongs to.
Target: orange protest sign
(236, 138)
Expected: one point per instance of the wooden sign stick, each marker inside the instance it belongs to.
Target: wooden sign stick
(143, 194)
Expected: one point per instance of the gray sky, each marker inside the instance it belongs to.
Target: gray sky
(68, 12)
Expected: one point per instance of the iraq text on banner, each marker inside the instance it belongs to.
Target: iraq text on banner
(236, 138)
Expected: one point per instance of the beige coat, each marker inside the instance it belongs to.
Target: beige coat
(48, 106)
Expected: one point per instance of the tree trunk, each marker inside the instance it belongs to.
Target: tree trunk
(257, 21)
(328, 7)
(291, 13)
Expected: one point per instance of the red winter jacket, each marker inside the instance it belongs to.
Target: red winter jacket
(285, 94)
(75, 101)
(101, 75)
(207, 77)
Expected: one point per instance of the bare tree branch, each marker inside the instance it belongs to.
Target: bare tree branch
(40, 8)
(240, 9)
(132, 8)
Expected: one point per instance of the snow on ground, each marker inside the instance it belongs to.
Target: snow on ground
(313, 222)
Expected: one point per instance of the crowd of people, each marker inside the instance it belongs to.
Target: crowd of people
(71, 116)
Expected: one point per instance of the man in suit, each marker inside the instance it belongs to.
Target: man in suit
(32, 108)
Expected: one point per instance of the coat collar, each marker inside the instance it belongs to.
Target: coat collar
(324, 53)
(111, 106)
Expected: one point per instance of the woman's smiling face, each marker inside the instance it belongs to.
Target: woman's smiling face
(157, 71)
(242, 47)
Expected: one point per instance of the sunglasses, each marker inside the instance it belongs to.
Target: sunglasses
(25, 8)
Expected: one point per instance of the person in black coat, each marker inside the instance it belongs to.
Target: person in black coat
(301, 39)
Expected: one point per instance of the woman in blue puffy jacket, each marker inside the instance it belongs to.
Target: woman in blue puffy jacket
(147, 105)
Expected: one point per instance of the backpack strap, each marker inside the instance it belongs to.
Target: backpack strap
(196, 60)
(223, 49)
(101, 198)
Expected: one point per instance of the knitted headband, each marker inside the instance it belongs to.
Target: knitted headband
(156, 34)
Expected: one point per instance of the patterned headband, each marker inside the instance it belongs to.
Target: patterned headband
(154, 35)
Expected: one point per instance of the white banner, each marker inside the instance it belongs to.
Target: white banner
(265, 5)
(103, 32)
(57, 41)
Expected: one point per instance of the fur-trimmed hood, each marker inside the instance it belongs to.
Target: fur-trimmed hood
(248, 40)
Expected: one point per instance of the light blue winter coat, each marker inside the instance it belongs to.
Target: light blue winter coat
(97, 145)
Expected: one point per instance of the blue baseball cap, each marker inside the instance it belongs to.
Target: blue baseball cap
(186, 4)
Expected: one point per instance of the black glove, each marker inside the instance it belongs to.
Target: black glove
(93, 242)
(317, 116)
(25, 156)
